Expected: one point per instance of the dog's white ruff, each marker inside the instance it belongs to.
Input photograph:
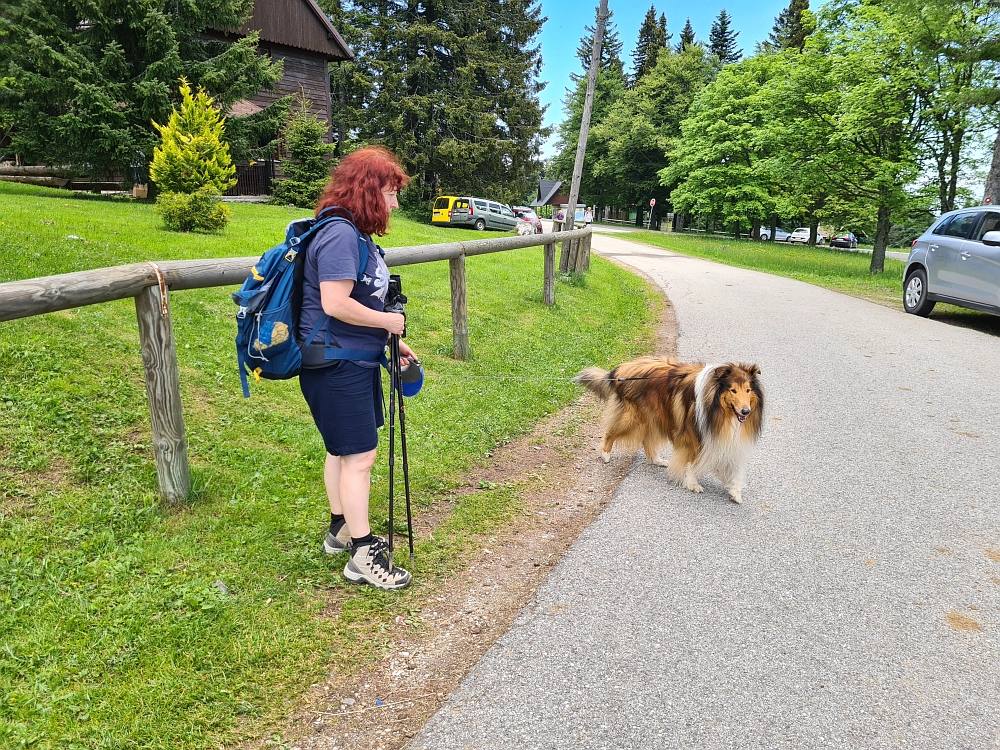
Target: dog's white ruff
(723, 455)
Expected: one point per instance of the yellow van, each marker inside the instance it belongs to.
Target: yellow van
(441, 213)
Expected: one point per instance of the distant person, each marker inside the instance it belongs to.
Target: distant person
(345, 394)
(588, 217)
(560, 216)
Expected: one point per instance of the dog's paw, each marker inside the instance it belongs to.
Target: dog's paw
(660, 462)
(736, 496)
(606, 455)
(693, 486)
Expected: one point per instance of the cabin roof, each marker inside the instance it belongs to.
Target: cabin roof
(300, 24)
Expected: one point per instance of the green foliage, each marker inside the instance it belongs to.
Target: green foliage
(687, 38)
(451, 88)
(307, 168)
(116, 631)
(632, 139)
(609, 88)
(83, 81)
(653, 40)
(185, 212)
(192, 155)
(722, 39)
(792, 27)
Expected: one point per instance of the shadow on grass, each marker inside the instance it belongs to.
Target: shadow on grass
(959, 316)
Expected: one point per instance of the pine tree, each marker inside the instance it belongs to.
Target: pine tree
(306, 170)
(791, 27)
(611, 45)
(95, 74)
(609, 88)
(454, 93)
(652, 39)
(687, 37)
(192, 154)
(722, 39)
(191, 166)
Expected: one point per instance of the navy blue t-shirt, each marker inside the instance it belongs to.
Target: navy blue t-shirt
(332, 255)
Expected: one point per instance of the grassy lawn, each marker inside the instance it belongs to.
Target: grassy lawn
(124, 624)
(834, 269)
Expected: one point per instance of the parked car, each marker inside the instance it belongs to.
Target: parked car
(528, 214)
(482, 213)
(844, 239)
(957, 260)
(441, 211)
(802, 235)
(780, 235)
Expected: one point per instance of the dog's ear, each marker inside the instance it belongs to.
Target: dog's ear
(723, 371)
(752, 370)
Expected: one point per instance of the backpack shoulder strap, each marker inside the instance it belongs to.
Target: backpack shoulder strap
(362, 243)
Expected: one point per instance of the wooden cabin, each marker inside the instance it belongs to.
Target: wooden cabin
(299, 34)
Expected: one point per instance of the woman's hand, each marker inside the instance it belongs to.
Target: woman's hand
(394, 323)
(405, 352)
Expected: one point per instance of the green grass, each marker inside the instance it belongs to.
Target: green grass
(840, 270)
(124, 624)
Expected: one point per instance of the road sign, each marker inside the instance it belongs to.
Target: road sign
(652, 202)
(987, 200)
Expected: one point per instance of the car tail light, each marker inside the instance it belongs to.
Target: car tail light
(913, 243)
(470, 210)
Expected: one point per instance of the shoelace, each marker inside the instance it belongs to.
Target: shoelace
(376, 553)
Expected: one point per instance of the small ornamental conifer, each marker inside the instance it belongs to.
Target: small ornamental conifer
(192, 160)
(306, 169)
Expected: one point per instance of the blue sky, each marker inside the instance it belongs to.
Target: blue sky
(561, 34)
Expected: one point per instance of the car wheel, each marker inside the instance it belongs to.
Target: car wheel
(915, 299)
(480, 225)
(763, 237)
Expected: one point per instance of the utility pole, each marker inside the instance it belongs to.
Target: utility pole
(566, 262)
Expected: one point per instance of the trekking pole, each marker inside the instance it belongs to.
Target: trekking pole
(393, 369)
(406, 465)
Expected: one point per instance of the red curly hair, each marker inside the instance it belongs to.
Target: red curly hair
(357, 182)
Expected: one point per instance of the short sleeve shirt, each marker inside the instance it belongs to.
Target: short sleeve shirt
(333, 255)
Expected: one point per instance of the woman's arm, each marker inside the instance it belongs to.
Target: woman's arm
(337, 303)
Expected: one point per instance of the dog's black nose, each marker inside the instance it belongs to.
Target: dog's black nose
(745, 411)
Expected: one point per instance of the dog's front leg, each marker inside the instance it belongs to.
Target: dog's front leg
(682, 470)
(735, 486)
(649, 446)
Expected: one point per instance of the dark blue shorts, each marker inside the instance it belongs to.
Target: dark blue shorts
(346, 403)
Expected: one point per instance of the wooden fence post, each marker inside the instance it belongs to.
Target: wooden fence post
(549, 287)
(163, 390)
(459, 313)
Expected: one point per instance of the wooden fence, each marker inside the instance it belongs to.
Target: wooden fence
(151, 283)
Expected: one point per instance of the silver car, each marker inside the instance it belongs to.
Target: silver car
(482, 213)
(956, 261)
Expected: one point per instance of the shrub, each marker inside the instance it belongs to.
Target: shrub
(306, 169)
(191, 166)
(184, 212)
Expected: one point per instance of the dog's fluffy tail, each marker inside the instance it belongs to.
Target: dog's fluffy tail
(595, 380)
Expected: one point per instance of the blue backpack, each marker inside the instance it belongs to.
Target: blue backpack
(270, 299)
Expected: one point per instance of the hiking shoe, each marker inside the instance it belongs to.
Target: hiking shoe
(369, 564)
(334, 544)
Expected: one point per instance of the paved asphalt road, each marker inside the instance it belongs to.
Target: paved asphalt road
(853, 601)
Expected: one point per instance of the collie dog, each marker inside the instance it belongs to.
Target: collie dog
(711, 414)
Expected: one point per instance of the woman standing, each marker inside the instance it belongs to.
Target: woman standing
(345, 395)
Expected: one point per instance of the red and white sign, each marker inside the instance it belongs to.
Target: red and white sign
(987, 201)
(652, 202)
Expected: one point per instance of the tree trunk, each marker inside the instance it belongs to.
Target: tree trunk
(678, 222)
(813, 232)
(881, 240)
(755, 232)
(774, 228)
(638, 216)
(992, 193)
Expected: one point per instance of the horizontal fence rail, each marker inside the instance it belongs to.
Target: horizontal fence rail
(150, 284)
